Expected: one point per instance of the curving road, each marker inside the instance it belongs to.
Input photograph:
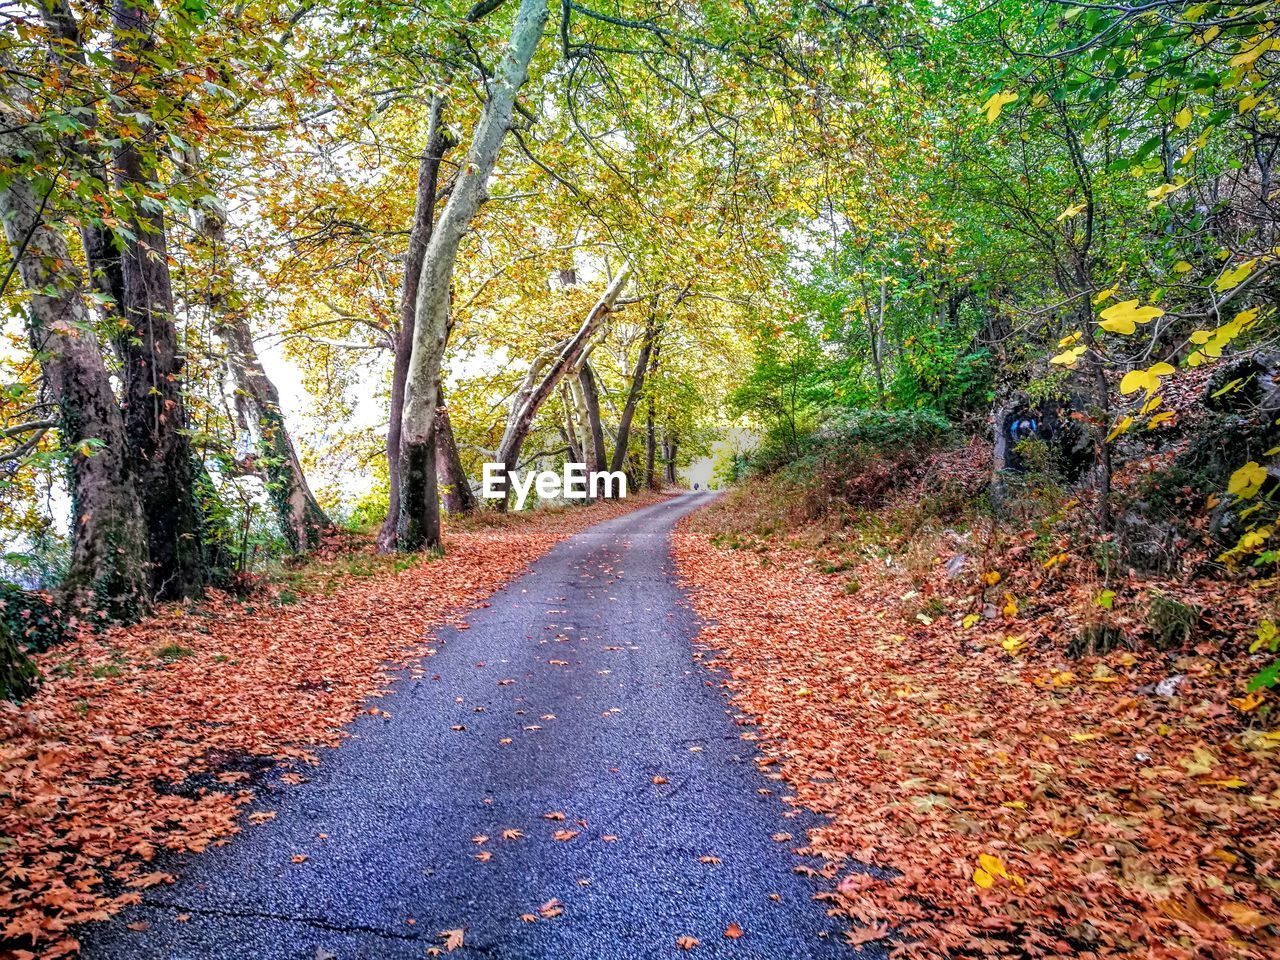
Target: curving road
(574, 692)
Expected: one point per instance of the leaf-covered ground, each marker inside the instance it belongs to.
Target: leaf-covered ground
(1018, 802)
(153, 737)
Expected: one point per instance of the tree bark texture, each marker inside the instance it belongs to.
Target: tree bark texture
(547, 371)
(424, 215)
(154, 408)
(109, 570)
(419, 515)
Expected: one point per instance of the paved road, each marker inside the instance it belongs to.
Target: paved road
(575, 692)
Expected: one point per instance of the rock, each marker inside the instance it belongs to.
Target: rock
(955, 566)
(1169, 686)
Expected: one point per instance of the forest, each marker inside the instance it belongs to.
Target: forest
(968, 307)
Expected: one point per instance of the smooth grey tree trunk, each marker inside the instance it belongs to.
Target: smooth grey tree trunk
(424, 215)
(300, 517)
(419, 515)
(575, 420)
(547, 371)
(593, 427)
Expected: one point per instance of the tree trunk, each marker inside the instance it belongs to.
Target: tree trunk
(650, 450)
(109, 569)
(669, 459)
(575, 418)
(455, 489)
(633, 395)
(154, 409)
(424, 215)
(301, 519)
(547, 371)
(651, 429)
(592, 427)
(419, 516)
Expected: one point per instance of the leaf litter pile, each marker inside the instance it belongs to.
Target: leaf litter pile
(153, 737)
(1016, 801)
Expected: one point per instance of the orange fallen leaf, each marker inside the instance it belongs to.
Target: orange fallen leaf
(452, 939)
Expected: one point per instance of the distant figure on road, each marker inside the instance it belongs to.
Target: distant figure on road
(695, 487)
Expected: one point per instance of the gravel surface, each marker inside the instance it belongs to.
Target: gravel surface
(574, 692)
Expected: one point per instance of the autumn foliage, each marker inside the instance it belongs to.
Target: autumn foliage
(152, 738)
(988, 793)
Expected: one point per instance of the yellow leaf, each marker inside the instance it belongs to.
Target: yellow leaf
(1182, 267)
(997, 103)
(1247, 481)
(1235, 277)
(1200, 762)
(1136, 380)
(1124, 317)
(993, 865)
(1039, 100)
(991, 578)
(1072, 211)
(1159, 193)
(1069, 339)
(1120, 429)
(1106, 294)
(1159, 418)
(1182, 119)
(1010, 608)
(1230, 783)
(1247, 57)
(970, 621)
(1083, 737)
(1069, 357)
(983, 879)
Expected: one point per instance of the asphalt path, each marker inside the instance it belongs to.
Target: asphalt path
(574, 693)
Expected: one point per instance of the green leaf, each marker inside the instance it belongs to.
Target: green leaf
(1266, 678)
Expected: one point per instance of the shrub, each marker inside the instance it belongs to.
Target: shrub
(31, 619)
(18, 675)
(1172, 622)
